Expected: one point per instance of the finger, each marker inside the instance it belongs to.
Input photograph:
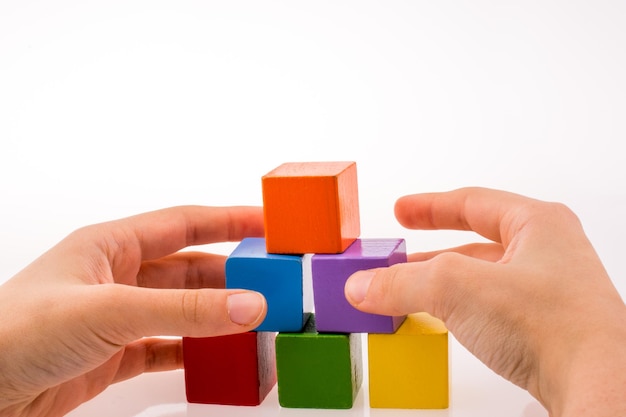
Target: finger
(144, 355)
(123, 313)
(165, 231)
(486, 251)
(150, 355)
(437, 286)
(496, 215)
(183, 270)
(114, 251)
(159, 233)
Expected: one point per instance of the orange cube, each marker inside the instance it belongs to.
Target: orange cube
(311, 207)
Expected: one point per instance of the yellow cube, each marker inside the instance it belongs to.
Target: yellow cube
(409, 368)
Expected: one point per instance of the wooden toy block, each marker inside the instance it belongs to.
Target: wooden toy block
(235, 369)
(330, 273)
(278, 277)
(316, 370)
(311, 207)
(409, 369)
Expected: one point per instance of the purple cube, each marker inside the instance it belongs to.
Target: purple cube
(331, 271)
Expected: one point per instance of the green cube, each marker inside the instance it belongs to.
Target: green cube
(318, 370)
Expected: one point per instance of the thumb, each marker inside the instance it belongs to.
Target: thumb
(129, 313)
(437, 286)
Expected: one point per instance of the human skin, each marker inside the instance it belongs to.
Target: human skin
(535, 304)
(85, 314)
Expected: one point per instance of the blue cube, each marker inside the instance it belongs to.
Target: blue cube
(278, 277)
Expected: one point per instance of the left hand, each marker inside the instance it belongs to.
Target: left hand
(77, 319)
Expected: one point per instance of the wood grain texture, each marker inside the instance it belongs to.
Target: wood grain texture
(409, 369)
(331, 271)
(317, 370)
(278, 277)
(311, 207)
(235, 369)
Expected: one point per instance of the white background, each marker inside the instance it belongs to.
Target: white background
(112, 108)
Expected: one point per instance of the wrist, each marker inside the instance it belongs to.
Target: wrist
(584, 374)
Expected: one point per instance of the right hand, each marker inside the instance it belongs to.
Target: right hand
(535, 304)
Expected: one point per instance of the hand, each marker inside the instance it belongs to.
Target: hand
(74, 321)
(536, 304)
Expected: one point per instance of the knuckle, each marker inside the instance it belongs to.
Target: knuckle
(388, 279)
(388, 290)
(561, 211)
(441, 265)
(441, 281)
(542, 211)
(190, 305)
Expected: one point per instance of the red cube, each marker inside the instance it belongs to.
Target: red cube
(235, 369)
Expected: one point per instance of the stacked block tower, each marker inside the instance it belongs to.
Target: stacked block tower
(310, 341)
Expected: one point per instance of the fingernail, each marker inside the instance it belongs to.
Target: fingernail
(358, 285)
(245, 307)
